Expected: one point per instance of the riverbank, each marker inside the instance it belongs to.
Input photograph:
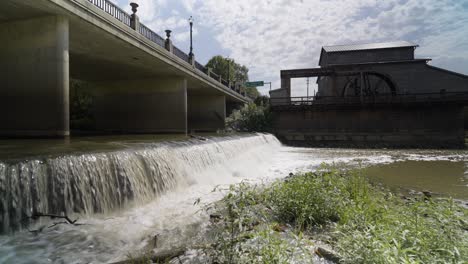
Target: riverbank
(330, 216)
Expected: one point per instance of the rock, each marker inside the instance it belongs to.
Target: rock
(327, 254)
(427, 194)
(198, 137)
(279, 228)
(215, 218)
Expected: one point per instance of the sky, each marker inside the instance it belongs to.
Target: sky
(270, 35)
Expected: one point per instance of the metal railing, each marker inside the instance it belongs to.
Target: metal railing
(112, 10)
(376, 99)
(125, 18)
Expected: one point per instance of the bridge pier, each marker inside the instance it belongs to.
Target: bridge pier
(141, 106)
(34, 69)
(206, 112)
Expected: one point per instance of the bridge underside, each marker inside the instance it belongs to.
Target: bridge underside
(136, 86)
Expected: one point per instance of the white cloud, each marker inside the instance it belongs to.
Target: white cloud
(270, 35)
(148, 9)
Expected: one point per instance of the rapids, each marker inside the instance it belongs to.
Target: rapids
(124, 197)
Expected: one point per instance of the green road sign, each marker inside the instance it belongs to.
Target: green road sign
(254, 84)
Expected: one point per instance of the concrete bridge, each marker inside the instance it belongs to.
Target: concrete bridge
(140, 81)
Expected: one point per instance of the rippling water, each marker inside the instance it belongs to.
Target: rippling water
(125, 192)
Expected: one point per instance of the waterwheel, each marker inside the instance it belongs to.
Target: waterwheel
(371, 84)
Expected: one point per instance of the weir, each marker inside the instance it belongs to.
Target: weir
(107, 181)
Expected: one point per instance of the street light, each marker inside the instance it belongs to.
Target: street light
(191, 41)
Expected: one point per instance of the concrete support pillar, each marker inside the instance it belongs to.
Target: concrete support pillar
(206, 112)
(141, 106)
(286, 85)
(34, 69)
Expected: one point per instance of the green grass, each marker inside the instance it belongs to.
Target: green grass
(362, 222)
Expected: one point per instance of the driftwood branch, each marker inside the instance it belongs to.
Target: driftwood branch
(37, 215)
(159, 257)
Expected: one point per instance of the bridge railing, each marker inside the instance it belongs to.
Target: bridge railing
(376, 99)
(180, 54)
(151, 35)
(112, 10)
(214, 75)
(125, 18)
(200, 67)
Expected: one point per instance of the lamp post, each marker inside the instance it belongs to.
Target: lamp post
(229, 70)
(191, 40)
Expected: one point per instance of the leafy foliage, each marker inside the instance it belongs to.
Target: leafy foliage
(81, 106)
(252, 118)
(230, 70)
(368, 223)
(243, 235)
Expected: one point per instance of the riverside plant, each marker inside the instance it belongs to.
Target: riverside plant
(363, 223)
(243, 231)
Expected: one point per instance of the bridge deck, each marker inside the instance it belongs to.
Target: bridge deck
(103, 45)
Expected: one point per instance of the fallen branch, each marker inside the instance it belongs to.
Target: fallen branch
(159, 257)
(36, 216)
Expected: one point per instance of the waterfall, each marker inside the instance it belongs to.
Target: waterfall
(103, 182)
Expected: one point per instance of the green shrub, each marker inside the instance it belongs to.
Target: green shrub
(243, 233)
(364, 223)
(392, 231)
(250, 118)
(81, 106)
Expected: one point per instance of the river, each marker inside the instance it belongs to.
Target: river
(127, 190)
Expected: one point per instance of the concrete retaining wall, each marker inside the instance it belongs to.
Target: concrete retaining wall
(426, 127)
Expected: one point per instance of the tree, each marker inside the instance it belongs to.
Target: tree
(230, 70)
(251, 118)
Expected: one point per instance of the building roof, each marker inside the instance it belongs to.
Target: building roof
(369, 46)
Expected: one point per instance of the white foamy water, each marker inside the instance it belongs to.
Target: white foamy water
(125, 198)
